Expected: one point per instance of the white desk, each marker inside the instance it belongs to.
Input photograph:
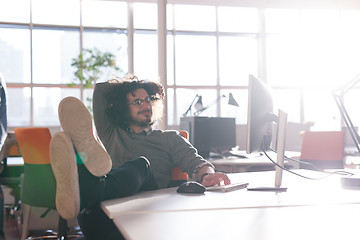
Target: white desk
(235, 164)
(307, 209)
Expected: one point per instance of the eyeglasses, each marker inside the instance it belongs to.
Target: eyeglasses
(148, 100)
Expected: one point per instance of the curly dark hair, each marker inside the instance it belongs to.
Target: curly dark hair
(117, 106)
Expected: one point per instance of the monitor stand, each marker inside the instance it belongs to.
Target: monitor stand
(280, 147)
(280, 155)
(352, 182)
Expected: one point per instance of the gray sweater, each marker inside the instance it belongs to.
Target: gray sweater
(164, 149)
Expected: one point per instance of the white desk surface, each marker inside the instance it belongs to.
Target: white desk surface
(165, 214)
(328, 222)
(253, 161)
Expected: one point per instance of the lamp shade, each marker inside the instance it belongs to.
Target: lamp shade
(232, 100)
(199, 105)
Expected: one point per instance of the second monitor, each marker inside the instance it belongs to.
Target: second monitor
(210, 134)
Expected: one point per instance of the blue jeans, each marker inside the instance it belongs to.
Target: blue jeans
(132, 177)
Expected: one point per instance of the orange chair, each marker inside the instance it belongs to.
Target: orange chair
(177, 175)
(38, 187)
(324, 149)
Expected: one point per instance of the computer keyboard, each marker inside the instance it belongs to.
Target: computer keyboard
(228, 188)
(243, 154)
(237, 154)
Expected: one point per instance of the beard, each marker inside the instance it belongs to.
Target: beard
(142, 121)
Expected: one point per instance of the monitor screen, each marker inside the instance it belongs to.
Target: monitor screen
(223, 134)
(260, 116)
(210, 134)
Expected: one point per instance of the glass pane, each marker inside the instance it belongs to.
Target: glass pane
(236, 19)
(184, 97)
(54, 12)
(351, 102)
(169, 16)
(113, 42)
(320, 108)
(195, 60)
(88, 95)
(11, 12)
(104, 13)
(187, 17)
(15, 55)
(282, 20)
(350, 21)
(231, 111)
(320, 60)
(305, 61)
(283, 61)
(171, 107)
(348, 59)
(146, 56)
(319, 21)
(288, 100)
(46, 101)
(237, 59)
(145, 15)
(18, 106)
(170, 60)
(53, 51)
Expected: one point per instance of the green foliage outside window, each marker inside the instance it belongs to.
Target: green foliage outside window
(90, 64)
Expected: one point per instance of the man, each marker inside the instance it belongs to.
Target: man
(81, 165)
(124, 112)
(137, 158)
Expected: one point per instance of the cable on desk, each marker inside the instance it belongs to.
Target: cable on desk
(341, 172)
(299, 161)
(297, 174)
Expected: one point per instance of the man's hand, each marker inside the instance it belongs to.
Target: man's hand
(215, 179)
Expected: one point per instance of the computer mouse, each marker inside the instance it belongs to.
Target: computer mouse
(191, 187)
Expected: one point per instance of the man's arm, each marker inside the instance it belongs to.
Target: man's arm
(101, 119)
(186, 157)
(208, 177)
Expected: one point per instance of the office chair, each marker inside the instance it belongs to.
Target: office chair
(323, 149)
(177, 175)
(38, 186)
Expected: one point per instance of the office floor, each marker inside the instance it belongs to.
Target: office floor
(11, 229)
(12, 232)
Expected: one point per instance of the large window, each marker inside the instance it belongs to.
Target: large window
(39, 42)
(312, 53)
(302, 53)
(211, 55)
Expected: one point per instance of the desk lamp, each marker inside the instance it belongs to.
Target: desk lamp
(198, 105)
(231, 101)
(353, 181)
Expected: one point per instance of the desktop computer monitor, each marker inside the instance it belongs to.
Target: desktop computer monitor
(210, 134)
(260, 116)
(260, 121)
(223, 134)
